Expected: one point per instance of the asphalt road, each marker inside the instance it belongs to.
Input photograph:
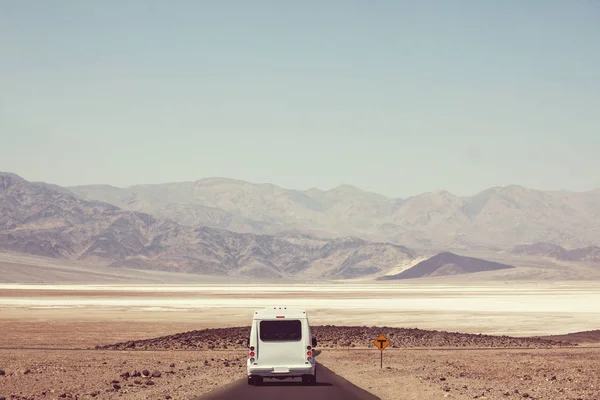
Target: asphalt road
(329, 387)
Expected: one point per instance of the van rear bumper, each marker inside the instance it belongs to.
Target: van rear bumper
(288, 372)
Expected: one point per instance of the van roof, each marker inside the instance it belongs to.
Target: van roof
(275, 311)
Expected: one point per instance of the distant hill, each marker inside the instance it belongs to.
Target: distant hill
(577, 337)
(332, 336)
(49, 221)
(445, 264)
(587, 254)
(542, 249)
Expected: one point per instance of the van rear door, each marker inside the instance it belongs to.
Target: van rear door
(281, 342)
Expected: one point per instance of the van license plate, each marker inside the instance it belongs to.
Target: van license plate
(281, 370)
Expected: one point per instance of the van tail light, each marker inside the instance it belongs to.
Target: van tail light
(309, 353)
(251, 348)
(252, 354)
(308, 348)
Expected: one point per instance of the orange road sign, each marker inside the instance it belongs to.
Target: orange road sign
(381, 342)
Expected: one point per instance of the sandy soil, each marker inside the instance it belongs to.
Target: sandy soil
(63, 333)
(554, 374)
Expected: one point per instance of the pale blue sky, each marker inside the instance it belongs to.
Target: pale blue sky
(397, 97)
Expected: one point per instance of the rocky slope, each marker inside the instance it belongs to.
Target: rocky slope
(497, 218)
(49, 221)
(334, 337)
(445, 264)
(586, 254)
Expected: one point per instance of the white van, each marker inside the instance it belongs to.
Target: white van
(281, 346)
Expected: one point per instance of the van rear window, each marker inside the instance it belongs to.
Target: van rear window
(271, 331)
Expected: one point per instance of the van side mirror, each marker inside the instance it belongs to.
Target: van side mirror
(314, 342)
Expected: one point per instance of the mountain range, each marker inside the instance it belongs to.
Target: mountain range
(234, 228)
(50, 221)
(498, 218)
(584, 254)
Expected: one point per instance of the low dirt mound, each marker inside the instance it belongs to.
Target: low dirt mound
(348, 336)
(587, 337)
(334, 337)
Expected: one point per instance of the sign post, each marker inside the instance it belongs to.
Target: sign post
(381, 343)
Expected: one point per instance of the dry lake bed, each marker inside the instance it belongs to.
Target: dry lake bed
(517, 309)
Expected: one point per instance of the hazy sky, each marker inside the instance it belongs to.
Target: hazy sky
(397, 97)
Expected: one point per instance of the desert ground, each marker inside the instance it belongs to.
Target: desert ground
(538, 370)
(52, 337)
(409, 374)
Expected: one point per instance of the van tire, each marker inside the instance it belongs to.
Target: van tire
(313, 378)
